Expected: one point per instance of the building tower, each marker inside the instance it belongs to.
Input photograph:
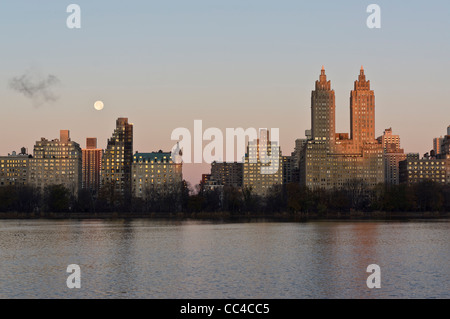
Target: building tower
(362, 112)
(92, 163)
(323, 111)
(118, 159)
(263, 164)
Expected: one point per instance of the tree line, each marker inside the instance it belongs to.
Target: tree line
(426, 196)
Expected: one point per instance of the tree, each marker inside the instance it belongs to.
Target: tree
(57, 198)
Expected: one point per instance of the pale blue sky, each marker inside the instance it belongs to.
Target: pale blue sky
(234, 63)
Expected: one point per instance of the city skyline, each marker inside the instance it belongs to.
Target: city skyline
(326, 128)
(210, 61)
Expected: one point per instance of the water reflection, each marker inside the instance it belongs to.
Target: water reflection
(168, 259)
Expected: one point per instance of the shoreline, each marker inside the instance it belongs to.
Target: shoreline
(221, 216)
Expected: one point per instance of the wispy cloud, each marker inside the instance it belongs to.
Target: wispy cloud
(37, 87)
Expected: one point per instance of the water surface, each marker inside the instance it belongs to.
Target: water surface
(173, 259)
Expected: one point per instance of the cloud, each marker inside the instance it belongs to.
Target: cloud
(36, 87)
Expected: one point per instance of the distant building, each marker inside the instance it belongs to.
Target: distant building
(205, 178)
(393, 155)
(331, 160)
(437, 145)
(56, 162)
(389, 141)
(263, 165)
(415, 170)
(92, 163)
(290, 172)
(227, 174)
(156, 170)
(117, 159)
(412, 156)
(445, 145)
(14, 169)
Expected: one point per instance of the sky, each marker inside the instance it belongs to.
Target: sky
(233, 63)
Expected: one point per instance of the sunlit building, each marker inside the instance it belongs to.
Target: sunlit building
(393, 155)
(263, 165)
(438, 144)
(332, 160)
(92, 163)
(56, 162)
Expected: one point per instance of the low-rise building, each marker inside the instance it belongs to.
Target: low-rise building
(227, 174)
(155, 170)
(14, 169)
(415, 170)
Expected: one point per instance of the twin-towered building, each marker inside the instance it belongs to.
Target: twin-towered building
(332, 160)
(324, 159)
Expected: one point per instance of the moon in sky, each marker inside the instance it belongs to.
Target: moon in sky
(98, 105)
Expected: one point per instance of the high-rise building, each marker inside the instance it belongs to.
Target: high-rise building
(362, 112)
(117, 159)
(92, 163)
(323, 112)
(393, 155)
(56, 162)
(155, 171)
(14, 169)
(333, 161)
(448, 130)
(263, 165)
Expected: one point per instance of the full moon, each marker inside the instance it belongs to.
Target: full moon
(98, 105)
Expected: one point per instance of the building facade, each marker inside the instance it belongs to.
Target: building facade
(227, 174)
(437, 145)
(14, 169)
(92, 163)
(263, 165)
(393, 155)
(414, 170)
(332, 160)
(117, 159)
(56, 162)
(155, 171)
